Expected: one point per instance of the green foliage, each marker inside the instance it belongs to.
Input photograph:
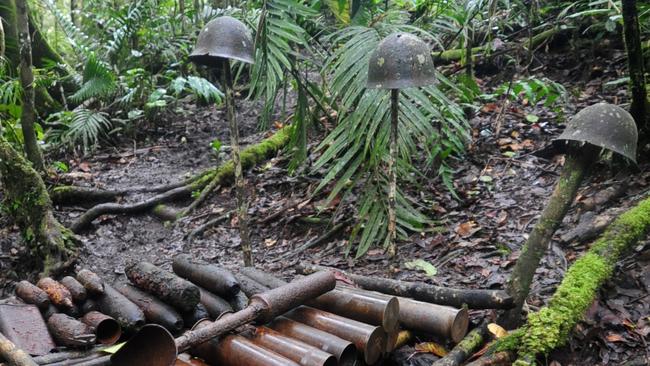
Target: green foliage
(98, 81)
(534, 90)
(355, 151)
(277, 40)
(81, 128)
(203, 90)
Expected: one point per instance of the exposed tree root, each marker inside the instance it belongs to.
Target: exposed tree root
(221, 175)
(27, 198)
(550, 327)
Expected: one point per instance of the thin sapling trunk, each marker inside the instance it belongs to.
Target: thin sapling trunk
(242, 206)
(576, 167)
(639, 108)
(391, 249)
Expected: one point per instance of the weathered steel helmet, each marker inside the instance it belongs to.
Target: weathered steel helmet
(603, 125)
(401, 60)
(223, 37)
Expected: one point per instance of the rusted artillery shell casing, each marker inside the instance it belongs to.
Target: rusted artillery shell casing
(91, 281)
(214, 304)
(371, 310)
(209, 276)
(68, 331)
(168, 287)
(424, 317)
(249, 286)
(344, 351)
(88, 306)
(155, 311)
(77, 290)
(58, 294)
(32, 294)
(370, 340)
(263, 278)
(239, 301)
(199, 313)
(293, 349)
(107, 330)
(116, 305)
(236, 350)
(51, 310)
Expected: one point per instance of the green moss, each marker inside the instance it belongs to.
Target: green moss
(249, 157)
(550, 327)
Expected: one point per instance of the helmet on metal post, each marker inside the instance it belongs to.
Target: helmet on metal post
(603, 125)
(223, 37)
(401, 60)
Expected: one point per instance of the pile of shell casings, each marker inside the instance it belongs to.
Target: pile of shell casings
(345, 326)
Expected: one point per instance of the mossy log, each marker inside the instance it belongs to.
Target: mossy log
(27, 199)
(458, 54)
(224, 174)
(549, 328)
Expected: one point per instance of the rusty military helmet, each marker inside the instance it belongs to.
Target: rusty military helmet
(401, 60)
(603, 125)
(223, 37)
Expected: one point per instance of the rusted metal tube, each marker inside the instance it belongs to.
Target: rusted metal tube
(370, 340)
(234, 350)
(214, 304)
(107, 330)
(209, 276)
(344, 351)
(58, 294)
(424, 317)
(51, 310)
(249, 286)
(77, 290)
(68, 331)
(293, 349)
(32, 294)
(168, 287)
(91, 281)
(154, 346)
(154, 310)
(126, 313)
(199, 313)
(371, 310)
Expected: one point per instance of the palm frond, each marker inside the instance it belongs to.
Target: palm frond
(98, 81)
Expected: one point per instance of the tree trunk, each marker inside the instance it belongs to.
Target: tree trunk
(28, 116)
(49, 242)
(639, 108)
(575, 169)
(42, 54)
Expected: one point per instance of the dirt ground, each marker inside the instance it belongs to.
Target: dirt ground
(475, 242)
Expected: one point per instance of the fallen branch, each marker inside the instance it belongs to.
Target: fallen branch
(318, 241)
(14, 355)
(474, 299)
(71, 195)
(458, 54)
(549, 328)
(201, 229)
(463, 350)
(494, 359)
(222, 175)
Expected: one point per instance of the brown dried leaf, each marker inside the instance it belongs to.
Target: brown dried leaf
(431, 347)
(497, 330)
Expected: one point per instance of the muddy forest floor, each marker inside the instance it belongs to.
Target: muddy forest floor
(476, 239)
